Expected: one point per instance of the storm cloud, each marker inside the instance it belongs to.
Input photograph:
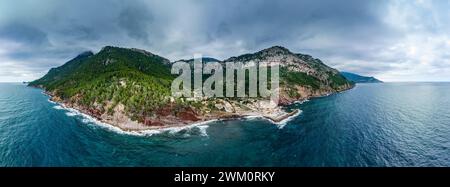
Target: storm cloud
(395, 40)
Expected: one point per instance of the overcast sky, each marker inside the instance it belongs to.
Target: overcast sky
(393, 40)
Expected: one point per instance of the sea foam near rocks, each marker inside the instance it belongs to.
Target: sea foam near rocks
(71, 114)
(284, 122)
(57, 107)
(279, 124)
(201, 126)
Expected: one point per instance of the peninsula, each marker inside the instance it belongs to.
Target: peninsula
(130, 88)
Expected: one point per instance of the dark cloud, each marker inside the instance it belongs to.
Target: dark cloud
(370, 37)
(135, 20)
(24, 34)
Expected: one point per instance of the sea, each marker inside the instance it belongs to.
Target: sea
(372, 125)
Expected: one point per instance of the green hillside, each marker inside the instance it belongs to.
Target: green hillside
(140, 82)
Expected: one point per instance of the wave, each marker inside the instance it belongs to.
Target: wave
(52, 102)
(202, 129)
(58, 107)
(301, 102)
(279, 124)
(201, 126)
(187, 130)
(284, 122)
(70, 114)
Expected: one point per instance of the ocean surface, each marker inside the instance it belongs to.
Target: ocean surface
(391, 124)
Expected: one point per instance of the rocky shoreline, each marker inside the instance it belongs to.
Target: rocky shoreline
(122, 122)
(136, 126)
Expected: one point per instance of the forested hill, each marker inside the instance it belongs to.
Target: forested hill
(360, 79)
(135, 78)
(122, 84)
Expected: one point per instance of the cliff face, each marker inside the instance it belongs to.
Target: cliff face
(302, 76)
(130, 88)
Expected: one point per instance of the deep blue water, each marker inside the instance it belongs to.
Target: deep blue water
(392, 124)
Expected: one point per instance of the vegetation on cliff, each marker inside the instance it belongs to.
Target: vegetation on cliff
(137, 79)
(137, 83)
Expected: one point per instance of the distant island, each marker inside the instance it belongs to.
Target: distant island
(130, 88)
(360, 79)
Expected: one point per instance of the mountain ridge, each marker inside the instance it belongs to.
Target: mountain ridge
(359, 78)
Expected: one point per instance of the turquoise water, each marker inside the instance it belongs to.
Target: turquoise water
(393, 124)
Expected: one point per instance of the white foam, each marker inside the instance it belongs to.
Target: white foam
(279, 124)
(70, 114)
(52, 102)
(149, 132)
(284, 122)
(202, 129)
(200, 125)
(57, 107)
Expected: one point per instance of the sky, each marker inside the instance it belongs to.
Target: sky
(393, 40)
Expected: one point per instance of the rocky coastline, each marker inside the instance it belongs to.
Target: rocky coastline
(188, 118)
(130, 89)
